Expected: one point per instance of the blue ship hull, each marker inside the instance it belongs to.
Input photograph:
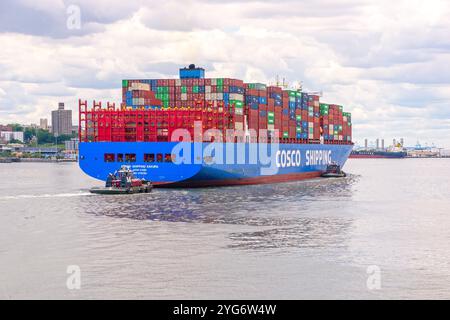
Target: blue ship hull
(171, 164)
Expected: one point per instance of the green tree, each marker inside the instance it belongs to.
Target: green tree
(44, 136)
(28, 134)
(16, 127)
(15, 141)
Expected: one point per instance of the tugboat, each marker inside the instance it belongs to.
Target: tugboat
(334, 171)
(123, 182)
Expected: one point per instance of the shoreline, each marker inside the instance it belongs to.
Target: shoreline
(36, 160)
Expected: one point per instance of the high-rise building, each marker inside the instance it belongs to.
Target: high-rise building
(43, 124)
(61, 121)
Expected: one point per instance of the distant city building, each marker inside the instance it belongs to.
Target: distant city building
(8, 136)
(61, 121)
(75, 129)
(30, 126)
(43, 124)
(72, 145)
(5, 128)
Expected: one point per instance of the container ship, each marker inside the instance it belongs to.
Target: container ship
(377, 154)
(205, 132)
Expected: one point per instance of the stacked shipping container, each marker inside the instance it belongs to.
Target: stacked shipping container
(152, 109)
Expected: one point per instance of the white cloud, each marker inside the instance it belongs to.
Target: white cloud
(387, 62)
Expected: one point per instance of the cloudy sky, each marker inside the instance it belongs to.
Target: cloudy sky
(388, 62)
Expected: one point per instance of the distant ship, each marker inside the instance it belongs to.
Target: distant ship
(368, 154)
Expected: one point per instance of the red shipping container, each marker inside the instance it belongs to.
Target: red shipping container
(263, 123)
(292, 132)
(262, 93)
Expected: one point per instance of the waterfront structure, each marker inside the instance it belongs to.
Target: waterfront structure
(72, 145)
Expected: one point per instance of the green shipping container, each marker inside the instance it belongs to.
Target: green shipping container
(299, 118)
(292, 94)
(286, 134)
(237, 104)
(219, 82)
(183, 89)
(125, 83)
(219, 89)
(195, 89)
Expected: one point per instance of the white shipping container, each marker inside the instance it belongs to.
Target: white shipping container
(214, 82)
(208, 96)
(239, 111)
(219, 96)
(311, 136)
(178, 82)
(237, 97)
(207, 89)
(271, 127)
(239, 126)
(184, 96)
(311, 124)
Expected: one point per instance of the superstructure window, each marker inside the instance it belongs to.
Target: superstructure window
(159, 157)
(120, 157)
(167, 158)
(149, 157)
(110, 157)
(130, 157)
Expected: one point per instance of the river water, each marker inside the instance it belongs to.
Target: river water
(381, 233)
